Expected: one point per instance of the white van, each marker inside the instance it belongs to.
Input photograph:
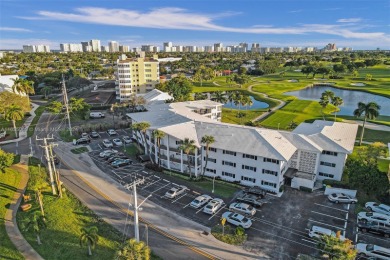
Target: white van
(373, 250)
(96, 115)
(316, 231)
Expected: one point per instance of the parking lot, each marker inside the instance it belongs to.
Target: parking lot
(280, 227)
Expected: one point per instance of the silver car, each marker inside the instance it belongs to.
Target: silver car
(379, 208)
(341, 198)
(243, 208)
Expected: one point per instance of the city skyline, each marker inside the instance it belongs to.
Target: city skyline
(356, 24)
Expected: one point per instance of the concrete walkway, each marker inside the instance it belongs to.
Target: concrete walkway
(10, 216)
(23, 131)
(369, 125)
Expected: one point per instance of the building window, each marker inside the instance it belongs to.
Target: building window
(179, 142)
(326, 175)
(329, 153)
(271, 160)
(148, 75)
(249, 156)
(228, 174)
(211, 170)
(148, 65)
(246, 167)
(229, 163)
(210, 159)
(243, 178)
(270, 172)
(212, 149)
(148, 70)
(266, 183)
(328, 164)
(229, 152)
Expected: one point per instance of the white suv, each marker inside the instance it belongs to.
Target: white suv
(373, 216)
(379, 208)
(317, 232)
(373, 250)
(213, 206)
(237, 219)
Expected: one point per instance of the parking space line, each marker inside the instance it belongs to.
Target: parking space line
(327, 215)
(222, 207)
(179, 198)
(331, 207)
(145, 172)
(309, 241)
(152, 182)
(201, 208)
(187, 205)
(159, 188)
(326, 224)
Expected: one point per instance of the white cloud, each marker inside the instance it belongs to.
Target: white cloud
(14, 29)
(177, 18)
(349, 20)
(295, 11)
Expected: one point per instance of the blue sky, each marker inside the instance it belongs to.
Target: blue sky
(361, 24)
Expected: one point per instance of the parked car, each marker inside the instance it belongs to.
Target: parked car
(115, 157)
(85, 135)
(317, 232)
(379, 208)
(341, 198)
(252, 199)
(117, 142)
(94, 134)
(373, 216)
(107, 143)
(127, 139)
(111, 132)
(242, 208)
(121, 162)
(82, 141)
(200, 201)
(174, 192)
(375, 227)
(213, 206)
(107, 153)
(373, 251)
(96, 115)
(237, 219)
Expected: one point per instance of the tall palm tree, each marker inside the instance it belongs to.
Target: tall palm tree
(45, 90)
(14, 113)
(142, 127)
(230, 97)
(324, 101)
(188, 146)
(36, 223)
(369, 110)
(158, 134)
(90, 237)
(133, 250)
(337, 101)
(207, 140)
(23, 86)
(219, 96)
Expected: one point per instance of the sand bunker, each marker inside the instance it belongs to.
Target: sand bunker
(358, 84)
(292, 80)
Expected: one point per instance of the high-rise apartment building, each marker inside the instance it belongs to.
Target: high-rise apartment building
(124, 48)
(95, 44)
(255, 47)
(136, 76)
(113, 46)
(35, 48)
(218, 47)
(86, 47)
(167, 46)
(71, 47)
(209, 48)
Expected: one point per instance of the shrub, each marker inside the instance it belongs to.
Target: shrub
(154, 167)
(230, 236)
(337, 184)
(305, 189)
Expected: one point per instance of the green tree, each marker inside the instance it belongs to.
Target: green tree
(158, 135)
(336, 249)
(200, 96)
(79, 107)
(242, 71)
(133, 250)
(207, 140)
(179, 88)
(188, 147)
(230, 96)
(337, 101)
(368, 77)
(355, 73)
(23, 86)
(307, 70)
(89, 237)
(292, 125)
(229, 80)
(223, 222)
(324, 101)
(13, 114)
(6, 160)
(203, 73)
(339, 68)
(8, 99)
(142, 127)
(219, 96)
(241, 79)
(324, 71)
(45, 91)
(369, 111)
(55, 107)
(36, 223)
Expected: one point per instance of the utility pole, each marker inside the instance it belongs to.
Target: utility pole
(65, 97)
(49, 164)
(55, 171)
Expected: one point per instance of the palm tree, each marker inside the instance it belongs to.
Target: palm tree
(23, 86)
(45, 90)
(142, 127)
(369, 110)
(90, 237)
(292, 125)
(158, 134)
(230, 97)
(207, 139)
(36, 223)
(188, 146)
(219, 96)
(324, 101)
(14, 113)
(337, 101)
(133, 250)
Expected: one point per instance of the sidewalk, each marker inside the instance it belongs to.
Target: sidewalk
(10, 216)
(24, 128)
(160, 218)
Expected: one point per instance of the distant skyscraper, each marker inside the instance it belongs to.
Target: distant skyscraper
(95, 44)
(167, 46)
(71, 47)
(29, 48)
(255, 47)
(124, 48)
(218, 47)
(86, 46)
(113, 46)
(209, 48)
(36, 48)
(330, 47)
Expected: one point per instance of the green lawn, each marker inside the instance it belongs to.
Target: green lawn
(65, 218)
(131, 150)
(221, 189)
(230, 115)
(8, 184)
(66, 137)
(380, 120)
(7, 125)
(383, 165)
(374, 136)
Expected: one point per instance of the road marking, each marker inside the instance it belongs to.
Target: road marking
(346, 217)
(331, 207)
(327, 215)
(159, 188)
(152, 183)
(201, 208)
(165, 180)
(179, 198)
(100, 147)
(349, 205)
(221, 208)
(309, 241)
(356, 238)
(326, 224)
(145, 172)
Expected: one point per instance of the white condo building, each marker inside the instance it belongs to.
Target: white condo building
(113, 46)
(248, 155)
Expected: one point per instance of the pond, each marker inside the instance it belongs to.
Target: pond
(350, 97)
(256, 104)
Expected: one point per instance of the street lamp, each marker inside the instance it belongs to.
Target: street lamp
(213, 184)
